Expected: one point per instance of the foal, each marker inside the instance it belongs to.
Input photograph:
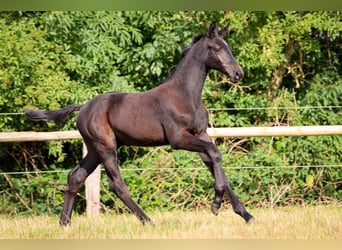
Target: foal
(171, 113)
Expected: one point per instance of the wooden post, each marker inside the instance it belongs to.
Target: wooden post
(92, 189)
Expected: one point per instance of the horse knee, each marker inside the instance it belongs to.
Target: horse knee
(219, 187)
(215, 154)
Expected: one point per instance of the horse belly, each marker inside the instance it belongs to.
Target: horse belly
(139, 134)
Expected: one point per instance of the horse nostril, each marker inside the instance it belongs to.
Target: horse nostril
(237, 75)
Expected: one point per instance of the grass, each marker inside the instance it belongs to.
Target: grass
(317, 222)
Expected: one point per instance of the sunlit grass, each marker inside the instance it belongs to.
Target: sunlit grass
(321, 222)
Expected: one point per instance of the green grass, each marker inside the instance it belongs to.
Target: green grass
(319, 222)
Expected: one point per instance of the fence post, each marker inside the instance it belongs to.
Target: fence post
(92, 189)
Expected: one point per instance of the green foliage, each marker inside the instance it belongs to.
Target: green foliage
(291, 59)
(33, 193)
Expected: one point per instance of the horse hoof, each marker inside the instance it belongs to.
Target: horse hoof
(251, 220)
(150, 223)
(65, 223)
(215, 209)
(147, 221)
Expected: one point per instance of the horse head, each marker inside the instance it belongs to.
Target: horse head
(220, 56)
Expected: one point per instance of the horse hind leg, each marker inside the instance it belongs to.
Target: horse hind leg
(76, 178)
(118, 186)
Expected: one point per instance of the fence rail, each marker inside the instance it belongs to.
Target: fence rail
(93, 181)
(213, 132)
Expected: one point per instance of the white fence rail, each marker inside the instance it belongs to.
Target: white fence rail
(213, 132)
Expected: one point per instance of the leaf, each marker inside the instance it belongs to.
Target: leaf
(309, 180)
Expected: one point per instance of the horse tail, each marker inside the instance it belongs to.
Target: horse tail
(59, 116)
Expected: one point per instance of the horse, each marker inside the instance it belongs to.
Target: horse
(171, 113)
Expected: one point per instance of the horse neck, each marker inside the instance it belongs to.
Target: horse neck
(190, 76)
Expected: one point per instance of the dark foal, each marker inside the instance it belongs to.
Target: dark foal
(171, 113)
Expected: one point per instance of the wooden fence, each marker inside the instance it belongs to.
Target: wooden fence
(213, 132)
(93, 181)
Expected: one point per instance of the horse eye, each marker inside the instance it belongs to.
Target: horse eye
(217, 49)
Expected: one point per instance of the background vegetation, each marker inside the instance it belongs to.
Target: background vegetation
(292, 61)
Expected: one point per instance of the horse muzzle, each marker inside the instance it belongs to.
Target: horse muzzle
(235, 74)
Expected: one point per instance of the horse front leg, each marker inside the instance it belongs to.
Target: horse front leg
(215, 206)
(213, 161)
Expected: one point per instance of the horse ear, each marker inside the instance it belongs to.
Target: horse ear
(212, 31)
(224, 30)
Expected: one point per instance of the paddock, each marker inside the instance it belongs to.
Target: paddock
(294, 222)
(93, 182)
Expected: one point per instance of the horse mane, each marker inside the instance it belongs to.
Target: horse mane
(184, 52)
